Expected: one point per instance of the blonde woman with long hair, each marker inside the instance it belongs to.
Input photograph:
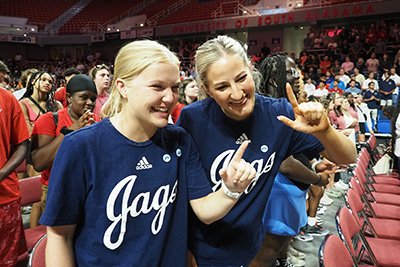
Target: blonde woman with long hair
(120, 189)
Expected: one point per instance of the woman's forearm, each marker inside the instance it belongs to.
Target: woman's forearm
(338, 148)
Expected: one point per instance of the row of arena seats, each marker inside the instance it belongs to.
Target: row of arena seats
(31, 191)
(369, 224)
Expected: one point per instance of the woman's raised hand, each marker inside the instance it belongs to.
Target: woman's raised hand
(85, 120)
(310, 117)
(239, 173)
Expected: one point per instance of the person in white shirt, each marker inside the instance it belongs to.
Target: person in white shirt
(309, 87)
(365, 84)
(321, 90)
(396, 79)
(364, 117)
(343, 77)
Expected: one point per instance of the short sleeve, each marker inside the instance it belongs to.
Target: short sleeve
(45, 125)
(67, 187)
(198, 185)
(19, 128)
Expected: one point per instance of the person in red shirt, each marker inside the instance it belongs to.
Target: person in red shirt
(188, 93)
(48, 134)
(325, 65)
(14, 132)
(336, 88)
(61, 94)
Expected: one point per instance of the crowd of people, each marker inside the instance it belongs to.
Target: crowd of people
(254, 140)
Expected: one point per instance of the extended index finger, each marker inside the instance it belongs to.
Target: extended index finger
(240, 151)
(291, 97)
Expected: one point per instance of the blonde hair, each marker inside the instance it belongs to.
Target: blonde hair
(213, 50)
(131, 60)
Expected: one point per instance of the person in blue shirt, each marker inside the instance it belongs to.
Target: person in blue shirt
(352, 88)
(386, 88)
(120, 189)
(341, 84)
(353, 78)
(275, 129)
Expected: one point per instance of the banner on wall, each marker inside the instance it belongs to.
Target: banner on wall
(112, 36)
(98, 38)
(23, 39)
(128, 34)
(145, 32)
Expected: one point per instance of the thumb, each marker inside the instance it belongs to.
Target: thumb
(286, 121)
(223, 174)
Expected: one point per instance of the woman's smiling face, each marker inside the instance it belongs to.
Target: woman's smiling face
(231, 84)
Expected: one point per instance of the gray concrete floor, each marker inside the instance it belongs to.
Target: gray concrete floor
(312, 248)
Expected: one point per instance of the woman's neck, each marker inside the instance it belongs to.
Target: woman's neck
(133, 130)
(39, 96)
(72, 115)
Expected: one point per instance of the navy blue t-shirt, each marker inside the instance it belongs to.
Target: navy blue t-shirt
(235, 239)
(387, 86)
(129, 200)
(373, 104)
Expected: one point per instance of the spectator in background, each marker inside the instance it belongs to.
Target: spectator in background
(386, 88)
(348, 66)
(394, 32)
(313, 75)
(359, 77)
(307, 42)
(360, 65)
(101, 77)
(344, 49)
(353, 88)
(385, 63)
(356, 48)
(336, 38)
(365, 84)
(331, 46)
(265, 50)
(90, 57)
(61, 94)
(380, 48)
(80, 67)
(18, 58)
(325, 65)
(303, 59)
(317, 43)
(367, 48)
(321, 91)
(14, 133)
(335, 87)
(344, 77)
(362, 33)
(26, 75)
(341, 84)
(372, 64)
(396, 79)
(353, 78)
(370, 36)
(329, 78)
(188, 93)
(336, 67)
(309, 87)
(372, 98)
(312, 62)
(325, 39)
(364, 117)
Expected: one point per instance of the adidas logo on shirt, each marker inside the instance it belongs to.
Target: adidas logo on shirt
(143, 164)
(242, 138)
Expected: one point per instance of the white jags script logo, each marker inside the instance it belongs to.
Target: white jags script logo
(225, 158)
(142, 203)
